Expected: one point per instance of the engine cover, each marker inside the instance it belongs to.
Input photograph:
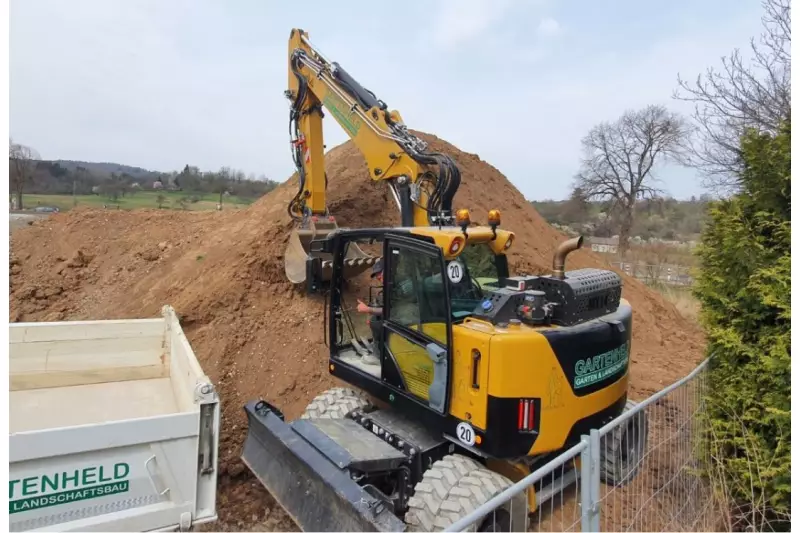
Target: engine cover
(582, 295)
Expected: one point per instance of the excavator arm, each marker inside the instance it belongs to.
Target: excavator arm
(423, 183)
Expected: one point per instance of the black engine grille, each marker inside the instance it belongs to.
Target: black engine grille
(582, 295)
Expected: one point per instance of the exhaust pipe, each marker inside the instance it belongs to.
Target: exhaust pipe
(560, 257)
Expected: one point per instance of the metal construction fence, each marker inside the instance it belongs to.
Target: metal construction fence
(640, 472)
(657, 274)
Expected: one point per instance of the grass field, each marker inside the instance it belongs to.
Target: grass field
(141, 199)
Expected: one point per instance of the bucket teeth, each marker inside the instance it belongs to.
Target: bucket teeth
(359, 263)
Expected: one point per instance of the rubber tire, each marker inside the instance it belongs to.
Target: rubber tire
(622, 450)
(337, 403)
(453, 487)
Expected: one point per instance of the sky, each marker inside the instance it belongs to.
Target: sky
(519, 82)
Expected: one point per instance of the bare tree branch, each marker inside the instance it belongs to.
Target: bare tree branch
(741, 95)
(620, 158)
(22, 163)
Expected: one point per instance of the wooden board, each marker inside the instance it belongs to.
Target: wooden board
(184, 370)
(89, 404)
(61, 363)
(100, 329)
(51, 380)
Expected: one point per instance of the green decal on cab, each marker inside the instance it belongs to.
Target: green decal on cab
(594, 369)
(58, 488)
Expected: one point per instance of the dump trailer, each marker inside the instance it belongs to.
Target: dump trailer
(466, 380)
(113, 426)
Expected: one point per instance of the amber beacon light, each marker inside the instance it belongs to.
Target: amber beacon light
(462, 218)
(494, 218)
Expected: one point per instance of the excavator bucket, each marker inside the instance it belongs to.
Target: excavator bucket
(302, 263)
(306, 465)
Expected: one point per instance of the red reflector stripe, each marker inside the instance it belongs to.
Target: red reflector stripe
(525, 423)
(530, 416)
(525, 416)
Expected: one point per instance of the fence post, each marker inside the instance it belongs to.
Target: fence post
(594, 486)
(586, 480)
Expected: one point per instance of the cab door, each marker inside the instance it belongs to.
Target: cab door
(417, 324)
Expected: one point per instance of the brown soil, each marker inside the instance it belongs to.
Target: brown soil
(256, 335)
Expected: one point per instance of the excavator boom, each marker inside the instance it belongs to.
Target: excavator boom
(423, 183)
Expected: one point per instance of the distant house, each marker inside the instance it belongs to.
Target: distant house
(604, 245)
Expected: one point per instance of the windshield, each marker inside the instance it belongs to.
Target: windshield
(471, 274)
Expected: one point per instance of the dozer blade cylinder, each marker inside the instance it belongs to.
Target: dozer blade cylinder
(314, 491)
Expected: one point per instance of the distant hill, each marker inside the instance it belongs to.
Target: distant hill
(114, 180)
(107, 168)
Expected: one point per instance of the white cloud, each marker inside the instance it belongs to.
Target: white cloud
(548, 27)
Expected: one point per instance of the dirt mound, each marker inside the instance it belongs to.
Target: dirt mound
(255, 334)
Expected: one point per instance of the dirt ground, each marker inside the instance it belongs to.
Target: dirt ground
(255, 334)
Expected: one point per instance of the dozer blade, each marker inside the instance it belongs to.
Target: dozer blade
(298, 252)
(305, 470)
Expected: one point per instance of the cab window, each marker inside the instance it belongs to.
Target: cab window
(484, 266)
(475, 270)
(416, 292)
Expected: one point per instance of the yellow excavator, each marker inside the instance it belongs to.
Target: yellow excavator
(470, 377)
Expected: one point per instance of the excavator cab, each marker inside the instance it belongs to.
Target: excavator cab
(423, 295)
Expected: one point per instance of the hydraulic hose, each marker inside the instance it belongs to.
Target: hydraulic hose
(447, 182)
(294, 135)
